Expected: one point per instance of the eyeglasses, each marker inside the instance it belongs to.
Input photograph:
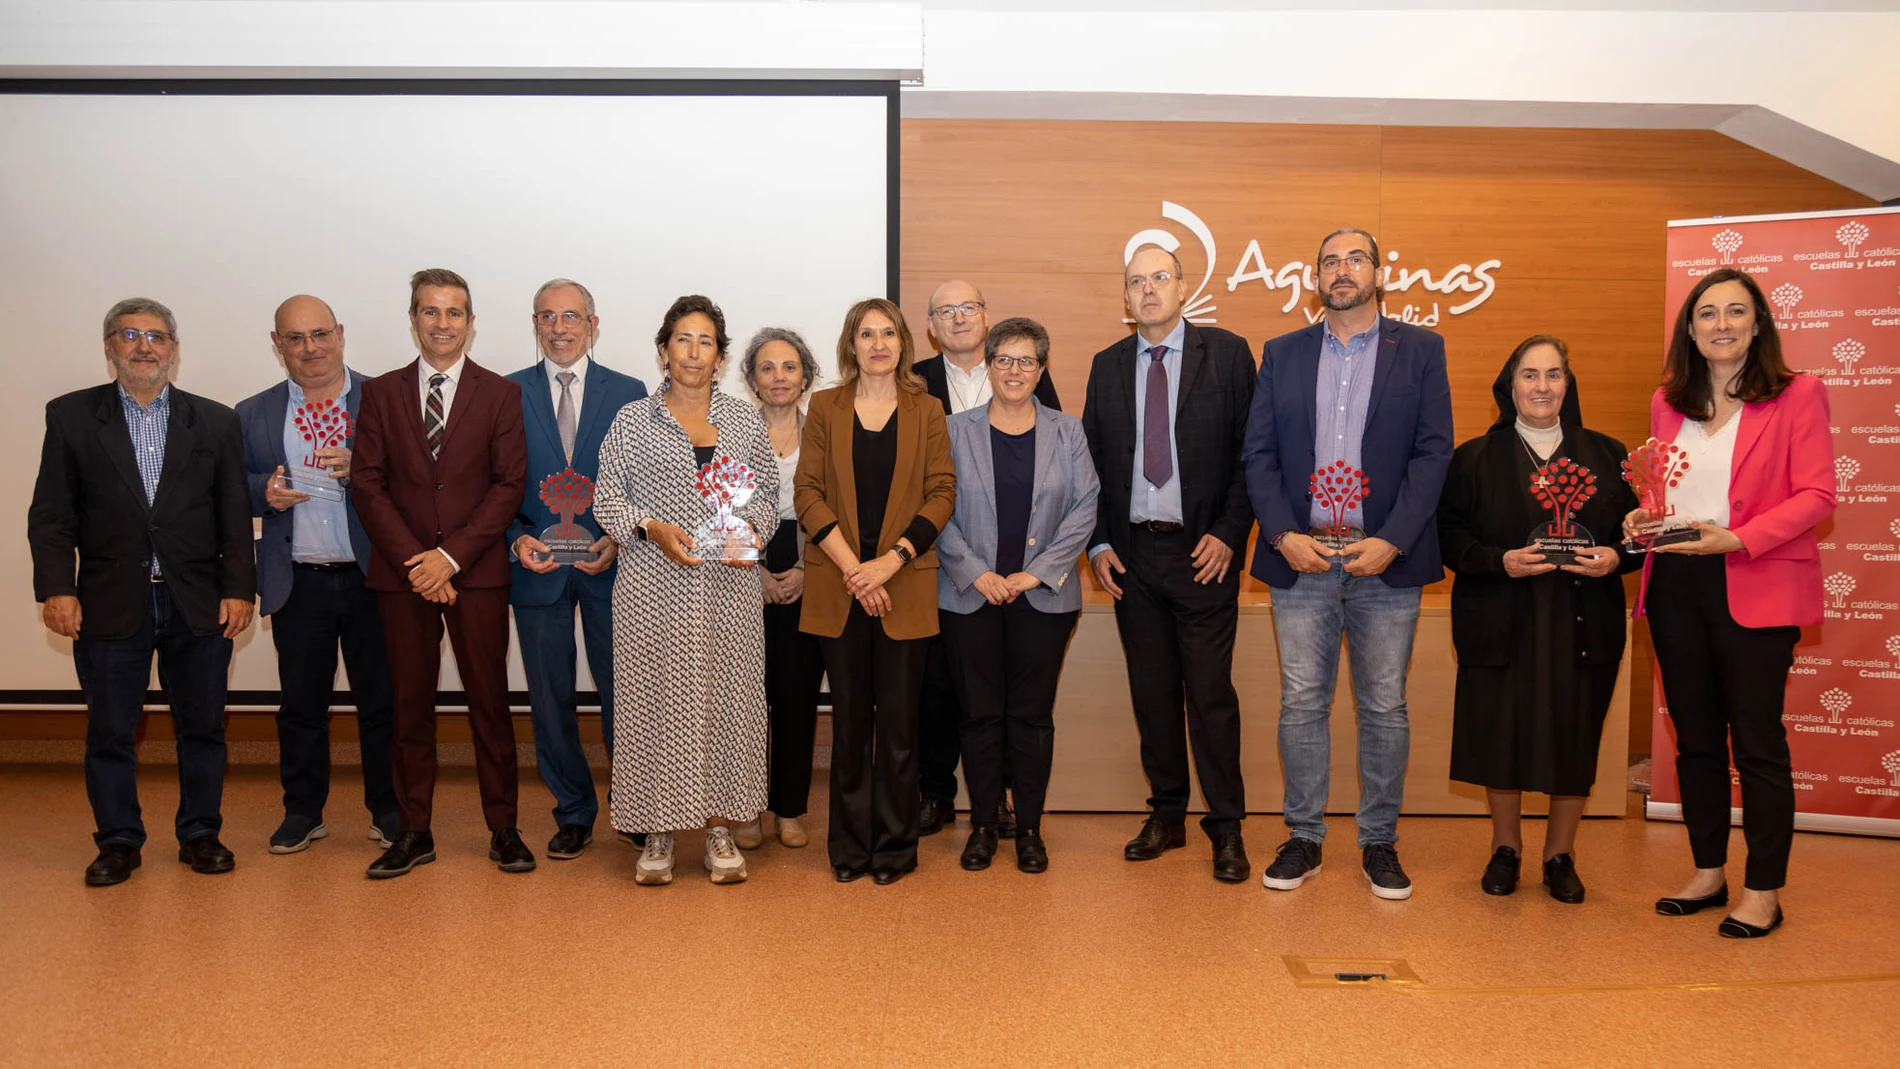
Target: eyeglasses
(1358, 261)
(1027, 363)
(947, 312)
(1158, 280)
(131, 336)
(315, 337)
(548, 319)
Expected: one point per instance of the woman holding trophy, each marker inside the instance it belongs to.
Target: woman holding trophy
(1740, 455)
(687, 480)
(874, 487)
(1537, 610)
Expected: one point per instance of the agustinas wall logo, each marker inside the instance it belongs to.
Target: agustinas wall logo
(1471, 285)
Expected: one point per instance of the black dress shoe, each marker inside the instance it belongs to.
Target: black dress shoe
(1560, 875)
(1500, 876)
(569, 841)
(886, 877)
(1005, 819)
(113, 865)
(1153, 838)
(1031, 855)
(1730, 928)
(207, 855)
(935, 816)
(1682, 907)
(506, 850)
(406, 851)
(980, 849)
(1230, 857)
(847, 874)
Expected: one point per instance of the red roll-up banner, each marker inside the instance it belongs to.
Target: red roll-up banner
(1833, 285)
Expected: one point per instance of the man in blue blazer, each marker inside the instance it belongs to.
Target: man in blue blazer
(1370, 394)
(311, 563)
(568, 401)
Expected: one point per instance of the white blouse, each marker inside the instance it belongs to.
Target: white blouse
(787, 467)
(1703, 492)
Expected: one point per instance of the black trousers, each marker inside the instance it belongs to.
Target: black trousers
(1178, 639)
(874, 686)
(1724, 683)
(328, 608)
(1008, 660)
(794, 672)
(938, 718)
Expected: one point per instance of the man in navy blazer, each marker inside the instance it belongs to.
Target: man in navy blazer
(567, 403)
(1366, 393)
(311, 561)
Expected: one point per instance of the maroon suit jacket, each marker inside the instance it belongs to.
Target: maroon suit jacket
(461, 501)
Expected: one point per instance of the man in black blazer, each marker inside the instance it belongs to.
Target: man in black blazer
(1166, 416)
(141, 486)
(958, 377)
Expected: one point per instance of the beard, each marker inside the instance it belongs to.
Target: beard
(1360, 295)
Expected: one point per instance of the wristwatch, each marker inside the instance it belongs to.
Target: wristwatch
(903, 555)
(640, 529)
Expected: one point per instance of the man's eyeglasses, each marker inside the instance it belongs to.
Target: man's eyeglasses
(1027, 363)
(947, 312)
(548, 319)
(315, 337)
(1358, 261)
(1158, 280)
(131, 336)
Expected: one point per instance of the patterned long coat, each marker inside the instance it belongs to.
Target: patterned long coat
(690, 730)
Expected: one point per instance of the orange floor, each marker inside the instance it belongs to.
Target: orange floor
(300, 960)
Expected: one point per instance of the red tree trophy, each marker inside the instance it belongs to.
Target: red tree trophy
(725, 484)
(1338, 487)
(1652, 470)
(325, 425)
(1562, 486)
(567, 493)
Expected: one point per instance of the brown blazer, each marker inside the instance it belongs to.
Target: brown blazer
(924, 483)
(461, 501)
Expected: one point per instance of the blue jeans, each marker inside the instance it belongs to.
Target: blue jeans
(547, 659)
(1378, 622)
(192, 673)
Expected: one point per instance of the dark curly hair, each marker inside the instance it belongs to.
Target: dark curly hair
(685, 306)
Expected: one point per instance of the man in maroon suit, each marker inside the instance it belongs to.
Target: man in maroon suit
(440, 466)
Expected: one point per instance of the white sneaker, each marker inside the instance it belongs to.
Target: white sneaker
(749, 835)
(656, 861)
(723, 860)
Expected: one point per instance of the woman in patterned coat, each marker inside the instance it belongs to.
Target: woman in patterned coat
(689, 644)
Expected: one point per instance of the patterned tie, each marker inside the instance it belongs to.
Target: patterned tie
(1157, 460)
(432, 415)
(564, 415)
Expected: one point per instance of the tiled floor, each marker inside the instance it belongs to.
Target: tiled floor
(300, 960)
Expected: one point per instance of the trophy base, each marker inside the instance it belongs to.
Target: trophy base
(725, 539)
(1643, 543)
(567, 548)
(1560, 549)
(320, 488)
(1335, 542)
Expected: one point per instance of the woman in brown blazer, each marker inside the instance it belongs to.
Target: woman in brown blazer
(874, 486)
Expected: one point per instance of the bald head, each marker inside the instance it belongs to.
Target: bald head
(959, 322)
(300, 308)
(309, 341)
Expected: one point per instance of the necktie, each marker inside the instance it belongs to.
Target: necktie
(564, 415)
(432, 415)
(1157, 460)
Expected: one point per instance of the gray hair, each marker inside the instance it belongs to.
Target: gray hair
(587, 298)
(1370, 240)
(1173, 260)
(135, 306)
(1017, 328)
(749, 366)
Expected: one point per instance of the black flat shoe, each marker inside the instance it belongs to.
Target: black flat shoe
(407, 850)
(113, 865)
(1153, 838)
(207, 855)
(1031, 855)
(847, 874)
(886, 877)
(508, 852)
(1230, 858)
(936, 815)
(1560, 876)
(1682, 907)
(1500, 876)
(1730, 928)
(980, 848)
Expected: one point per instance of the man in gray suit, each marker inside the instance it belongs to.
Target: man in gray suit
(311, 563)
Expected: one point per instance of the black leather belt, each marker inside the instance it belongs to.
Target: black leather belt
(1159, 526)
(333, 566)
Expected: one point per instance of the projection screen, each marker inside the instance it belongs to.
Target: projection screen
(774, 199)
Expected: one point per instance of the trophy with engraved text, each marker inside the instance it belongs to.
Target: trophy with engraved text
(567, 493)
(1338, 487)
(1652, 470)
(325, 425)
(1562, 486)
(725, 484)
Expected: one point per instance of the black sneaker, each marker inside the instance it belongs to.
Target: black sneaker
(1500, 876)
(570, 840)
(1296, 862)
(1383, 871)
(296, 833)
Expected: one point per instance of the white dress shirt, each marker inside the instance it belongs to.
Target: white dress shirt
(967, 389)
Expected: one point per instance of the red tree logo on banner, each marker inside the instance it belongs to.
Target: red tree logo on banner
(324, 424)
(567, 494)
(1562, 486)
(1891, 763)
(1726, 242)
(1836, 701)
(1338, 487)
(1851, 234)
(1839, 585)
(1845, 468)
(1893, 528)
(1847, 352)
(1893, 649)
(1785, 296)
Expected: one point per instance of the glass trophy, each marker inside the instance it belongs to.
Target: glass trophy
(725, 484)
(1652, 470)
(567, 493)
(1338, 487)
(325, 425)
(1562, 486)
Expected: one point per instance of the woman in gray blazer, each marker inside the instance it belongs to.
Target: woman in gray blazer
(1007, 589)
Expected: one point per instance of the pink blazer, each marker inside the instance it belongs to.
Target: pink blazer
(1780, 486)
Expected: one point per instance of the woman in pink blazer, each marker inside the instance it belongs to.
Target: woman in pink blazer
(1726, 609)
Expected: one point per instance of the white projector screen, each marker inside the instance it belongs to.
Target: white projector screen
(774, 203)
